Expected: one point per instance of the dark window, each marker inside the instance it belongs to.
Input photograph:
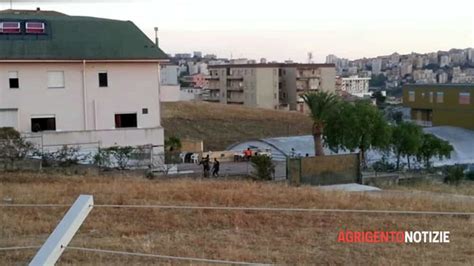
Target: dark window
(103, 80)
(14, 84)
(125, 120)
(43, 124)
(13, 80)
(145, 111)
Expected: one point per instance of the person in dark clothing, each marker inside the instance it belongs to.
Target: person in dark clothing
(205, 166)
(215, 168)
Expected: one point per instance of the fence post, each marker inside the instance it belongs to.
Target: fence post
(56, 243)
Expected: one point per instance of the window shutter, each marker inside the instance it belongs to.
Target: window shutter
(56, 79)
(13, 75)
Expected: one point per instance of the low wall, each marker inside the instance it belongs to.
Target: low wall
(105, 138)
(324, 170)
(380, 179)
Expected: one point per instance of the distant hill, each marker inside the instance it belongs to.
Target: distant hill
(222, 125)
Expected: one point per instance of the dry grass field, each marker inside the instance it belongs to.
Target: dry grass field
(265, 237)
(465, 188)
(222, 125)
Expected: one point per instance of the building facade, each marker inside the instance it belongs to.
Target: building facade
(67, 81)
(249, 85)
(355, 85)
(441, 104)
(271, 86)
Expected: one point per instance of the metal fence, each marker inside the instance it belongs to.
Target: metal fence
(88, 153)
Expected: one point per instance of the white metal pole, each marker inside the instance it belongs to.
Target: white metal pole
(57, 242)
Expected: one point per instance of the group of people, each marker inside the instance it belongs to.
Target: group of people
(206, 165)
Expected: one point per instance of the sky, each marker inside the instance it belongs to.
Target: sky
(281, 30)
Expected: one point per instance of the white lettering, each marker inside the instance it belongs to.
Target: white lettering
(436, 237)
(408, 237)
(417, 236)
(445, 236)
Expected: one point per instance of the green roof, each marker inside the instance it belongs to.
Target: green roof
(76, 38)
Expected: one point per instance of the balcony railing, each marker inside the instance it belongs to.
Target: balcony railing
(235, 78)
(237, 89)
(235, 101)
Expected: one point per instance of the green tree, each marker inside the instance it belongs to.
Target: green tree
(357, 126)
(431, 146)
(397, 117)
(377, 80)
(321, 105)
(380, 99)
(406, 140)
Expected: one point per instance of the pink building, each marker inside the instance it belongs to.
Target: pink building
(196, 81)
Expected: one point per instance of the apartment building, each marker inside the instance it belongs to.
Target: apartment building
(253, 85)
(75, 79)
(441, 104)
(355, 85)
(270, 86)
(298, 79)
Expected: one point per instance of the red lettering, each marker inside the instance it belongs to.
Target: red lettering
(383, 237)
(349, 237)
(341, 237)
(369, 237)
(400, 237)
(357, 237)
(376, 237)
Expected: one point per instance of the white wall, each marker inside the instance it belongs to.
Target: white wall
(107, 138)
(169, 75)
(131, 87)
(170, 93)
(189, 94)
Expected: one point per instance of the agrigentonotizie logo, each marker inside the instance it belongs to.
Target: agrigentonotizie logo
(347, 236)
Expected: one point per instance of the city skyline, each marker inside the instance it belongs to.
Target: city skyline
(255, 29)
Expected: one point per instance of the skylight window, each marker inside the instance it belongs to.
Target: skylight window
(35, 27)
(10, 27)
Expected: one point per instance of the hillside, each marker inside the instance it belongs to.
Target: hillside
(222, 125)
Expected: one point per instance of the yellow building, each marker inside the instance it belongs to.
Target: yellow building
(441, 104)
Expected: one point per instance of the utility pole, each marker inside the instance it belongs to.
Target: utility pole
(156, 36)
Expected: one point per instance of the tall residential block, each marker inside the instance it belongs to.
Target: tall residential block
(271, 86)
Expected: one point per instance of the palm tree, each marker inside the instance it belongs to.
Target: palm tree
(320, 104)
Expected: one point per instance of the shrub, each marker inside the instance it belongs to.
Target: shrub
(264, 166)
(384, 165)
(470, 176)
(121, 155)
(64, 157)
(173, 144)
(12, 146)
(102, 158)
(454, 175)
